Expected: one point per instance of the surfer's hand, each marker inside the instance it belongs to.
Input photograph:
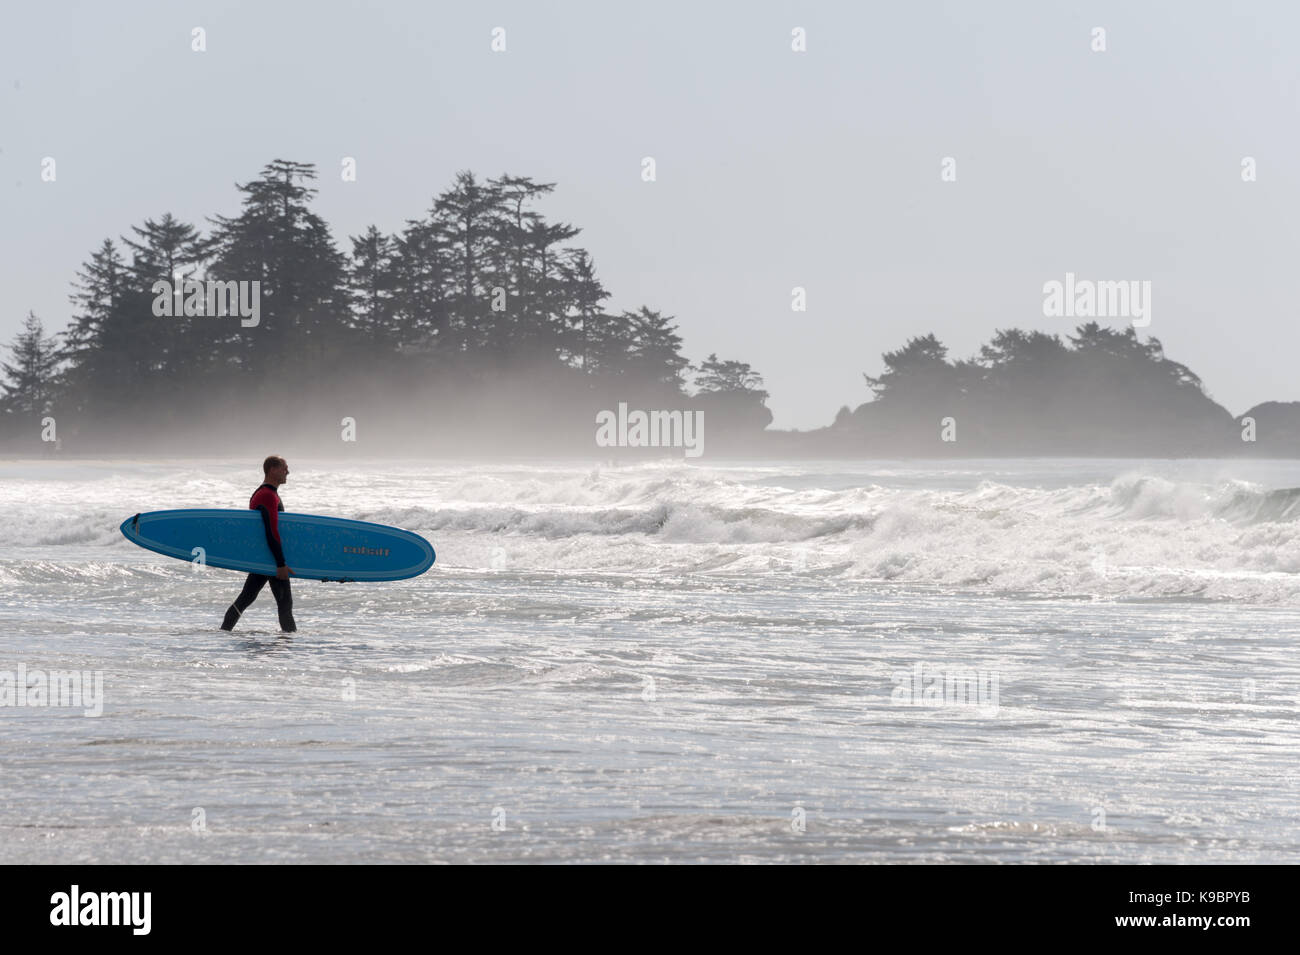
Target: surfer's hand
(283, 572)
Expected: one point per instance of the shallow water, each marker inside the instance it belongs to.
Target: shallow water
(671, 662)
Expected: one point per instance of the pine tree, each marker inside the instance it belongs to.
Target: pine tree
(101, 345)
(182, 349)
(278, 241)
(548, 335)
(609, 345)
(732, 391)
(28, 386)
(422, 274)
(587, 294)
(463, 217)
(513, 227)
(372, 281)
(656, 357)
(725, 377)
(918, 372)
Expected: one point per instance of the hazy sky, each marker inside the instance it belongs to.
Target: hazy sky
(776, 169)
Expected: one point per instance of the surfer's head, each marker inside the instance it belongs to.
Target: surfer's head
(276, 470)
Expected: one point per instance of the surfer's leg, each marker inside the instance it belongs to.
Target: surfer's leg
(283, 603)
(252, 587)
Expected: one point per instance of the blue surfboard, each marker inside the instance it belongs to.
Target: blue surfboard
(321, 548)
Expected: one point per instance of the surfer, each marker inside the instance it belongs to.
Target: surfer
(267, 500)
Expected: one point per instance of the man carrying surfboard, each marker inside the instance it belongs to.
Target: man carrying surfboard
(267, 500)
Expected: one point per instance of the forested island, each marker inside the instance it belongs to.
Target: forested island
(482, 328)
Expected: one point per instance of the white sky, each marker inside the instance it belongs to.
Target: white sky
(775, 169)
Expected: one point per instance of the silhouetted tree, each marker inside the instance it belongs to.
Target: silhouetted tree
(423, 298)
(277, 240)
(732, 391)
(916, 375)
(103, 345)
(609, 344)
(29, 375)
(586, 294)
(463, 216)
(655, 358)
(180, 350)
(728, 376)
(373, 283)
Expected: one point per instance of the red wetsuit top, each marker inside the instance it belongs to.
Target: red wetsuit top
(267, 500)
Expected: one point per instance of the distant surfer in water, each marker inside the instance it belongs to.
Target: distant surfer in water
(267, 500)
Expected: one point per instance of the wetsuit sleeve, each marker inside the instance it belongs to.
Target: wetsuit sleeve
(271, 523)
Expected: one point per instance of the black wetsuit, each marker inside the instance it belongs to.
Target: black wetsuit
(267, 500)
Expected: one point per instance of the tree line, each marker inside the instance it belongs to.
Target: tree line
(482, 316)
(481, 295)
(1098, 391)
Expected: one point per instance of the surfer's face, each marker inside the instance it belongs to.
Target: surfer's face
(279, 474)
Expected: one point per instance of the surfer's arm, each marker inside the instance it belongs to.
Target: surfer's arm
(271, 524)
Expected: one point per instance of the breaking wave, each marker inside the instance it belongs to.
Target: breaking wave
(1139, 535)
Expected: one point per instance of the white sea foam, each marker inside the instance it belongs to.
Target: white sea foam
(1132, 533)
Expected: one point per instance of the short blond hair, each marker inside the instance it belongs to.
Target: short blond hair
(274, 461)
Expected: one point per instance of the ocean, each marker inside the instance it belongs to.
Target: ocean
(998, 661)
